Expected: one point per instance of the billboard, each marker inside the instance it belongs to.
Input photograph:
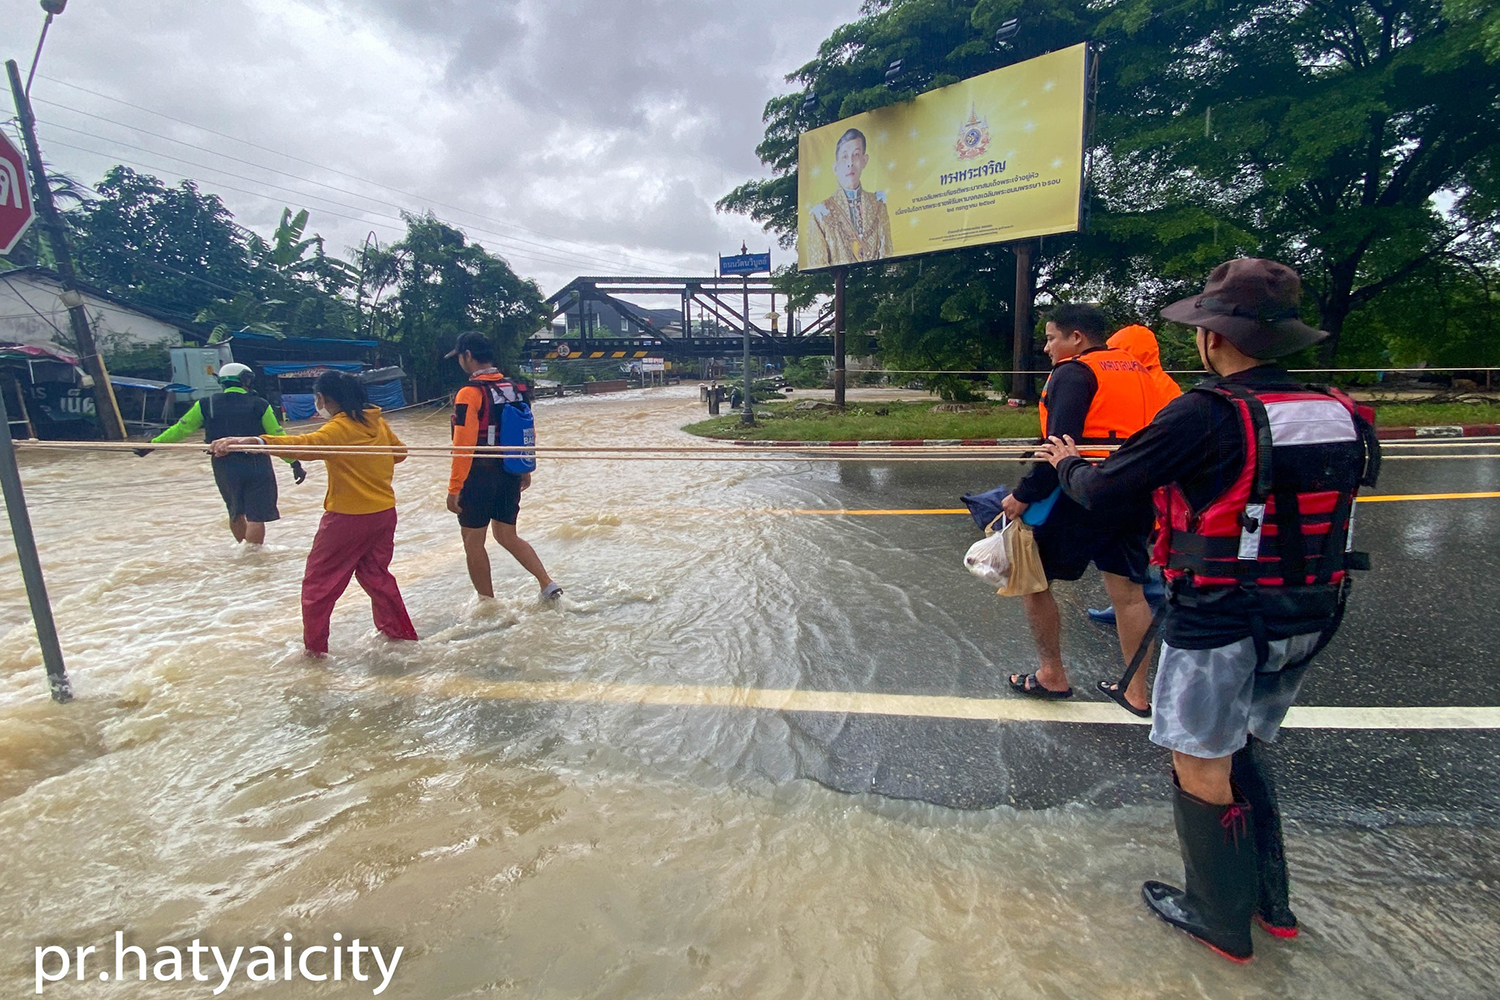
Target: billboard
(995, 158)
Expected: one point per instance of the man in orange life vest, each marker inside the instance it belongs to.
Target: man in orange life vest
(483, 495)
(1099, 395)
(1254, 476)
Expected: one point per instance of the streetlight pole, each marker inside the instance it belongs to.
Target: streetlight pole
(53, 8)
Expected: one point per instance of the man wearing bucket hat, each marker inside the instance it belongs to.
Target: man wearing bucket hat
(1254, 476)
(246, 481)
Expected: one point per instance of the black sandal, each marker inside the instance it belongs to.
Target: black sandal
(1028, 684)
(1117, 695)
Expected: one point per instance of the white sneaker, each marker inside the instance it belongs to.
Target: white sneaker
(551, 592)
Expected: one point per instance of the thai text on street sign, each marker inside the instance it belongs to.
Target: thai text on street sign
(745, 263)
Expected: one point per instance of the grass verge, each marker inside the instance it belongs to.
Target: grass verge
(911, 421)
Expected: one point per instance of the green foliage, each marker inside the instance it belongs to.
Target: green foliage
(178, 250)
(447, 286)
(871, 421)
(174, 249)
(1357, 140)
(150, 361)
(808, 373)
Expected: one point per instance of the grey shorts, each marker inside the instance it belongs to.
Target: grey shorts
(1206, 700)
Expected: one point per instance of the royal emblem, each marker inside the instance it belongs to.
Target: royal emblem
(973, 138)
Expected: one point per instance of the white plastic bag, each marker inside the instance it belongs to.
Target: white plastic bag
(987, 559)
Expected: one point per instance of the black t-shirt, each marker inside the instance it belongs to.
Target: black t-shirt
(1197, 442)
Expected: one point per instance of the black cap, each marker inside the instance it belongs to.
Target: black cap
(473, 343)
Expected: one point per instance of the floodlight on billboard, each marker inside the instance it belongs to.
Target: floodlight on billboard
(991, 159)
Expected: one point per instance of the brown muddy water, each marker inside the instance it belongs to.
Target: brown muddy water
(210, 783)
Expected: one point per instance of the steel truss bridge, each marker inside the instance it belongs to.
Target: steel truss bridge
(723, 299)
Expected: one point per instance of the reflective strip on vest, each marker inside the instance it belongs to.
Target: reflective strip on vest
(1291, 530)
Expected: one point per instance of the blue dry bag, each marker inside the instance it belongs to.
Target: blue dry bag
(517, 430)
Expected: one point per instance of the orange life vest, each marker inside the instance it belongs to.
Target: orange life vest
(1124, 403)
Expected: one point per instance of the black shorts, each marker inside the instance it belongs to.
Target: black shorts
(248, 485)
(1073, 537)
(489, 494)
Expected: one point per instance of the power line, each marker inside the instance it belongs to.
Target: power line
(313, 201)
(500, 238)
(670, 268)
(303, 197)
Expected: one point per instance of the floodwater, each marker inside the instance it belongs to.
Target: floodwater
(208, 782)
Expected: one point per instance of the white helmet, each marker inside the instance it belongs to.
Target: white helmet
(235, 372)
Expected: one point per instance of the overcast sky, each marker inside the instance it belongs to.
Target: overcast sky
(572, 137)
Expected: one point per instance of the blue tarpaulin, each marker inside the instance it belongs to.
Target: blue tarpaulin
(298, 405)
(386, 395)
(310, 366)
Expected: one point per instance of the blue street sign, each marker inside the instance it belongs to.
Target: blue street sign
(745, 263)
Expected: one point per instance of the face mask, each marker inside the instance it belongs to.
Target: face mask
(323, 412)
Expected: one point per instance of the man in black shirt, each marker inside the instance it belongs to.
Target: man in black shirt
(1254, 475)
(1096, 394)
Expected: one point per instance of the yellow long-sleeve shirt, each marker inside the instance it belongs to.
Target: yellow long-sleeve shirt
(357, 484)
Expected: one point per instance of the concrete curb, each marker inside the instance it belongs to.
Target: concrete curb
(1438, 431)
(1384, 433)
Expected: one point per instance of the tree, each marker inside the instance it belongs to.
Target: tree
(447, 286)
(1355, 139)
(173, 249)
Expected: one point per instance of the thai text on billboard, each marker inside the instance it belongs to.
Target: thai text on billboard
(995, 158)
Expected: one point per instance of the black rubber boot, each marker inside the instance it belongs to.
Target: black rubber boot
(1218, 859)
(1252, 774)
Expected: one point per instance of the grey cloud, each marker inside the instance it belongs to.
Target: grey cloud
(616, 124)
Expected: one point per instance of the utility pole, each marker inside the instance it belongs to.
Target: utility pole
(105, 407)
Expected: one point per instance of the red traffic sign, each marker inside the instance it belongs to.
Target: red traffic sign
(15, 196)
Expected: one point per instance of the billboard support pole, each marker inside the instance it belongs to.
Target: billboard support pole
(838, 335)
(1020, 383)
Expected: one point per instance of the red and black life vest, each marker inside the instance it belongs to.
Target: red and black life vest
(1286, 519)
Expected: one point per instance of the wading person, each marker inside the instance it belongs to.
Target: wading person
(485, 490)
(1254, 476)
(1099, 395)
(246, 482)
(1140, 343)
(357, 534)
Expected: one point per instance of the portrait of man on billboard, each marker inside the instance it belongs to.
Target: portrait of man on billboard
(852, 224)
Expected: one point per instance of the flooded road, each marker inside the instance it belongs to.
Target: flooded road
(209, 782)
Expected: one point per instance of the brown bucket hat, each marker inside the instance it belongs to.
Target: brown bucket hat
(1255, 304)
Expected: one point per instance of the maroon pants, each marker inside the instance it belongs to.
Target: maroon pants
(357, 545)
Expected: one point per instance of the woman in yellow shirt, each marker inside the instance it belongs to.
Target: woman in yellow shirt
(357, 535)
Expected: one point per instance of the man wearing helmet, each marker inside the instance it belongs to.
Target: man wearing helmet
(246, 481)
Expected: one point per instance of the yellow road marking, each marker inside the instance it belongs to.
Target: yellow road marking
(1428, 496)
(1017, 709)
